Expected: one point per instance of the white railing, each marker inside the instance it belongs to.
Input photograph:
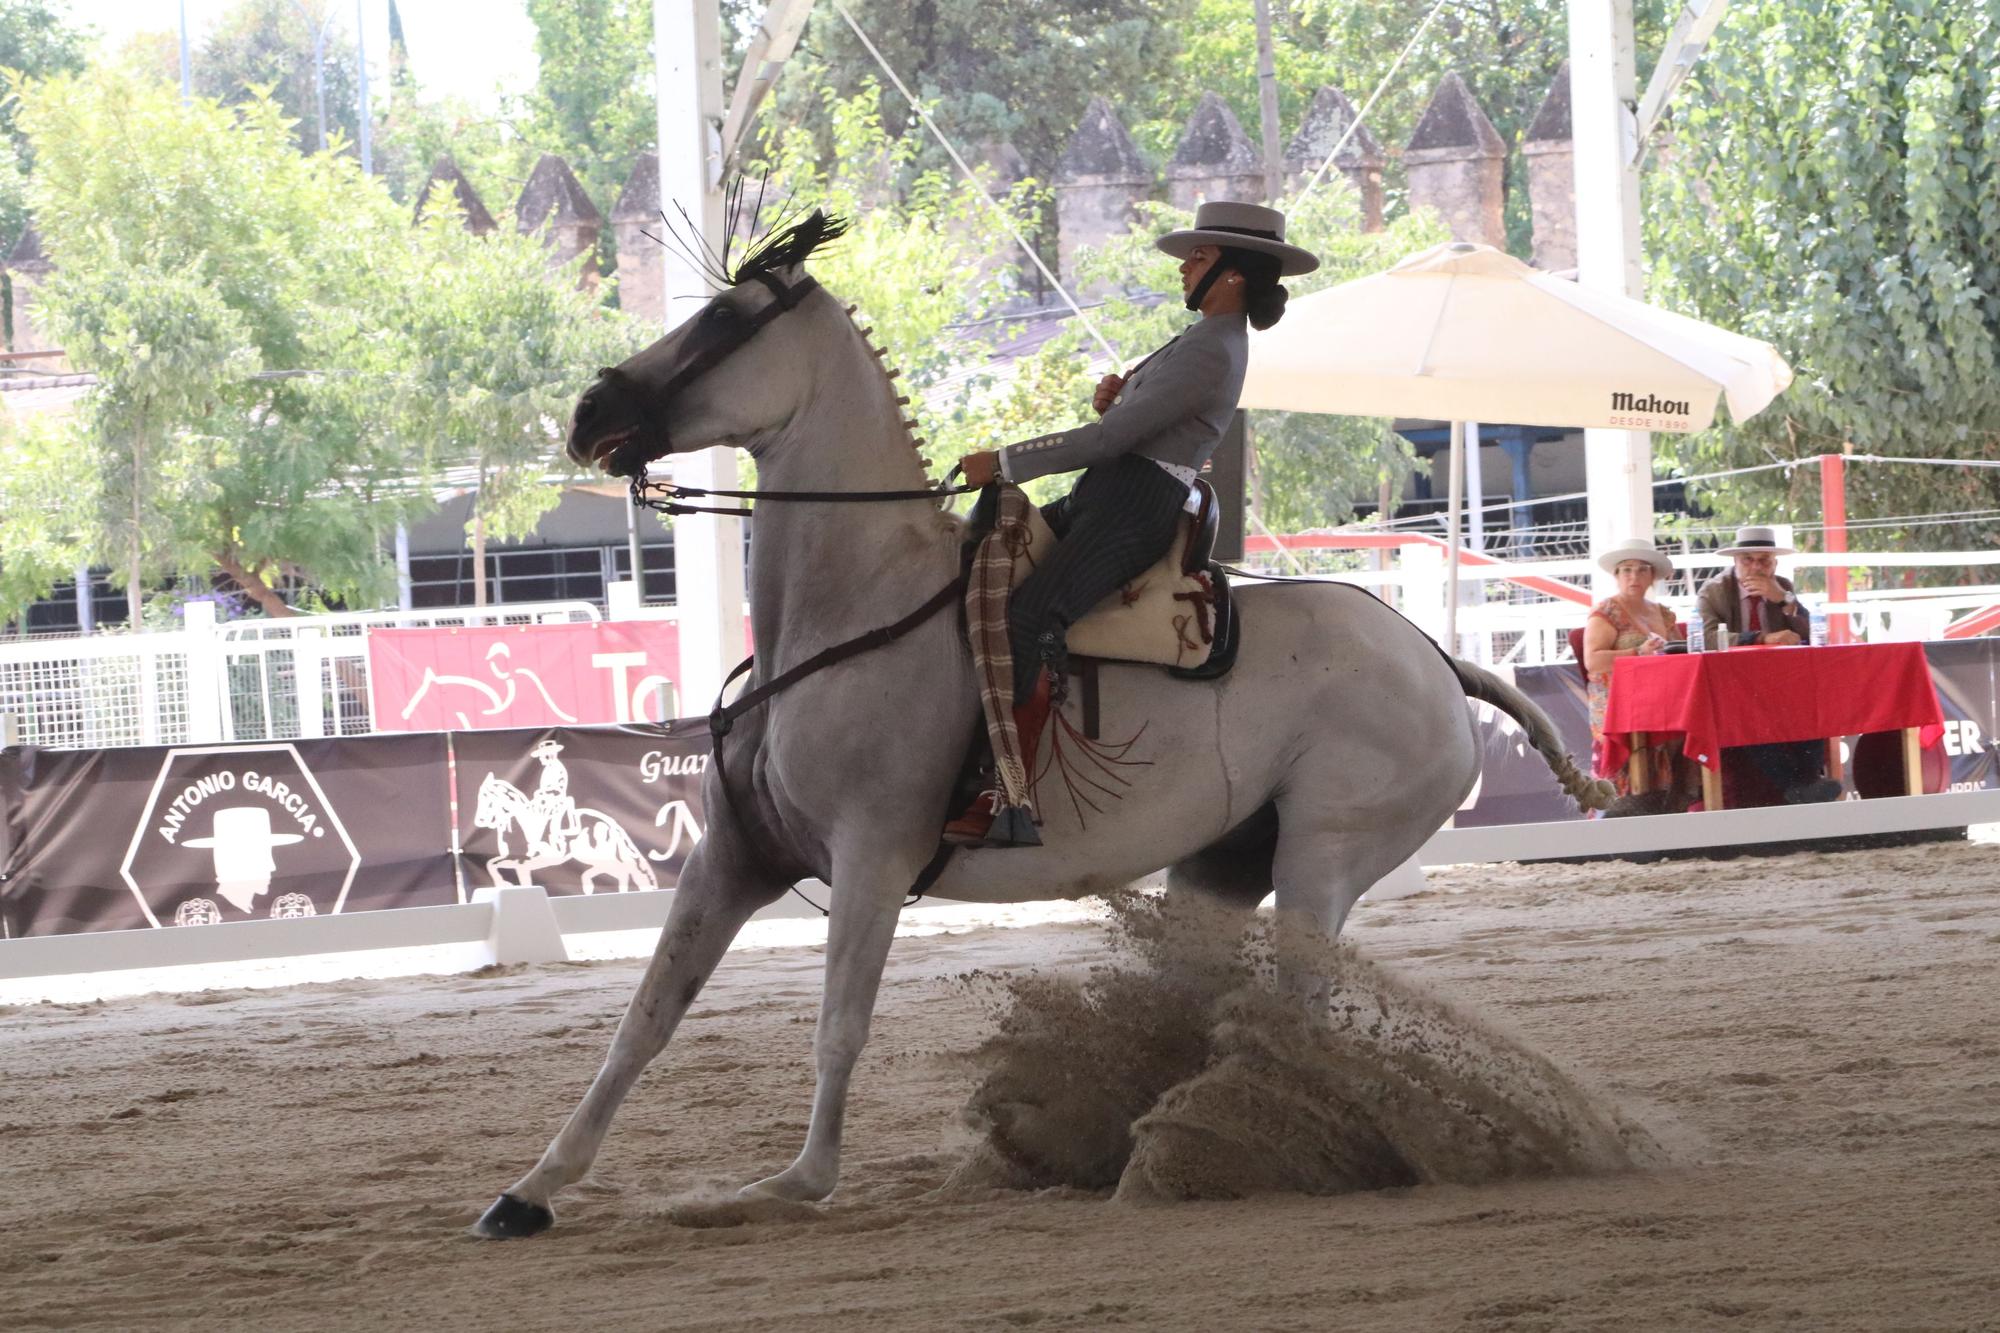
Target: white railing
(1503, 622)
(207, 683)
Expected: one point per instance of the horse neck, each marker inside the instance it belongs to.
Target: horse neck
(824, 572)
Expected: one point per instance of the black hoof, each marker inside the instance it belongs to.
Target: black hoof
(513, 1219)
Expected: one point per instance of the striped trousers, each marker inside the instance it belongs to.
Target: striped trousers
(1116, 523)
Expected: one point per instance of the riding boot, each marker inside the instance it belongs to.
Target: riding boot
(975, 826)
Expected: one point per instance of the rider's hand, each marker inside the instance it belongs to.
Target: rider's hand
(980, 469)
(1106, 393)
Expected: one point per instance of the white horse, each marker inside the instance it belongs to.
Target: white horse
(1339, 743)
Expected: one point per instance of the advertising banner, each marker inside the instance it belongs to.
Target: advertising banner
(607, 810)
(192, 835)
(498, 676)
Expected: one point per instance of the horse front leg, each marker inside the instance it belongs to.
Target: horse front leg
(862, 922)
(708, 910)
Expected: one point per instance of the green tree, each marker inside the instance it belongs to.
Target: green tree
(262, 47)
(495, 349)
(230, 293)
(923, 261)
(1833, 186)
(1016, 70)
(593, 99)
(36, 39)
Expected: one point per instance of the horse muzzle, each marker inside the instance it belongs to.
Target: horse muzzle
(607, 430)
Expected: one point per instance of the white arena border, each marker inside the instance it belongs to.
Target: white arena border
(525, 925)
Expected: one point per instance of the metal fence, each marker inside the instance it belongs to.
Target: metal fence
(303, 676)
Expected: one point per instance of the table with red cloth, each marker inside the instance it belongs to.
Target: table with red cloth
(1760, 695)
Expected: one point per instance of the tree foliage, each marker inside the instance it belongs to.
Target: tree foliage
(1018, 71)
(1834, 187)
(923, 260)
(227, 292)
(265, 48)
(593, 99)
(495, 348)
(36, 39)
(284, 362)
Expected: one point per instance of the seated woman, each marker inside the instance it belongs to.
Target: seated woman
(1625, 624)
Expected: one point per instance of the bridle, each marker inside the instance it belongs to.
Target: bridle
(667, 498)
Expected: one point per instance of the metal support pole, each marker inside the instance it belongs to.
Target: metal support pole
(403, 580)
(708, 549)
(634, 552)
(1833, 514)
(187, 90)
(367, 136)
(1475, 490)
(1454, 506)
(86, 608)
(1267, 106)
(1604, 89)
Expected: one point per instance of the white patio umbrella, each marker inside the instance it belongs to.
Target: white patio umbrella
(1464, 332)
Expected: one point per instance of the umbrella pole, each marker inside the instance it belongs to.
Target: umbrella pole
(1454, 506)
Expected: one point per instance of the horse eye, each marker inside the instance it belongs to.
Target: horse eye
(721, 312)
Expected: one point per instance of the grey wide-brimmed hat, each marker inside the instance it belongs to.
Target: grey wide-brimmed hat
(1636, 550)
(1242, 227)
(1756, 541)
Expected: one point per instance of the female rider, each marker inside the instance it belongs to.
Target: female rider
(1157, 427)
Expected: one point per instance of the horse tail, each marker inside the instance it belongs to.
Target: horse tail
(1589, 793)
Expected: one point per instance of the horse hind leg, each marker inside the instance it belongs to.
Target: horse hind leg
(704, 918)
(1222, 884)
(1319, 874)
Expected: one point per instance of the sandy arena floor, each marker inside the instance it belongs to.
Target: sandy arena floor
(1816, 1038)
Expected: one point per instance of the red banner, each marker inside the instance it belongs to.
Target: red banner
(476, 679)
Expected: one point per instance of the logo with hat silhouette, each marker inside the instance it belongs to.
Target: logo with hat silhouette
(237, 833)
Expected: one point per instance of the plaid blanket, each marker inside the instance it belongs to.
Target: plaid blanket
(986, 595)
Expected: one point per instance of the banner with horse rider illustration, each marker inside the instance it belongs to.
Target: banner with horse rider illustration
(196, 835)
(597, 810)
(479, 677)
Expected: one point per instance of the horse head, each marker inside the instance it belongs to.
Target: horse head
(491, 811)
(733, 375)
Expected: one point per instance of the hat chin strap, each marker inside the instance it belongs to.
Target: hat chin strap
(1200, 292)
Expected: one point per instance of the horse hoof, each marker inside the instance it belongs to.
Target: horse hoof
(513, 1219)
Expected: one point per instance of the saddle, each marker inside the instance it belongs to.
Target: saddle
(1175, 615)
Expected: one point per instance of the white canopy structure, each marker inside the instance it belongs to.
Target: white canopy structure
(1465, 332)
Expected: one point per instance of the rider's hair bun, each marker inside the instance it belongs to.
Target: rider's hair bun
(1266, 305)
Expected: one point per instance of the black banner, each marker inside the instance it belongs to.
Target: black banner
(193, 835)
(580, 809)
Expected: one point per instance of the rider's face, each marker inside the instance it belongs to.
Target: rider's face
(1199, 261)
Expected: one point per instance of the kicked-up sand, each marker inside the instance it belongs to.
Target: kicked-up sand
(1735, 1095)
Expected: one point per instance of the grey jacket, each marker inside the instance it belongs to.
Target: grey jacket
(1173, 409)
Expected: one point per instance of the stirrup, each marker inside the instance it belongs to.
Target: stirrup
(988, 823)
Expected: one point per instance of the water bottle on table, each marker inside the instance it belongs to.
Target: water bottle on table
(1697, 635)
(1818, 635)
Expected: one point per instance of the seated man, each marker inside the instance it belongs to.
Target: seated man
(1757, 606)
